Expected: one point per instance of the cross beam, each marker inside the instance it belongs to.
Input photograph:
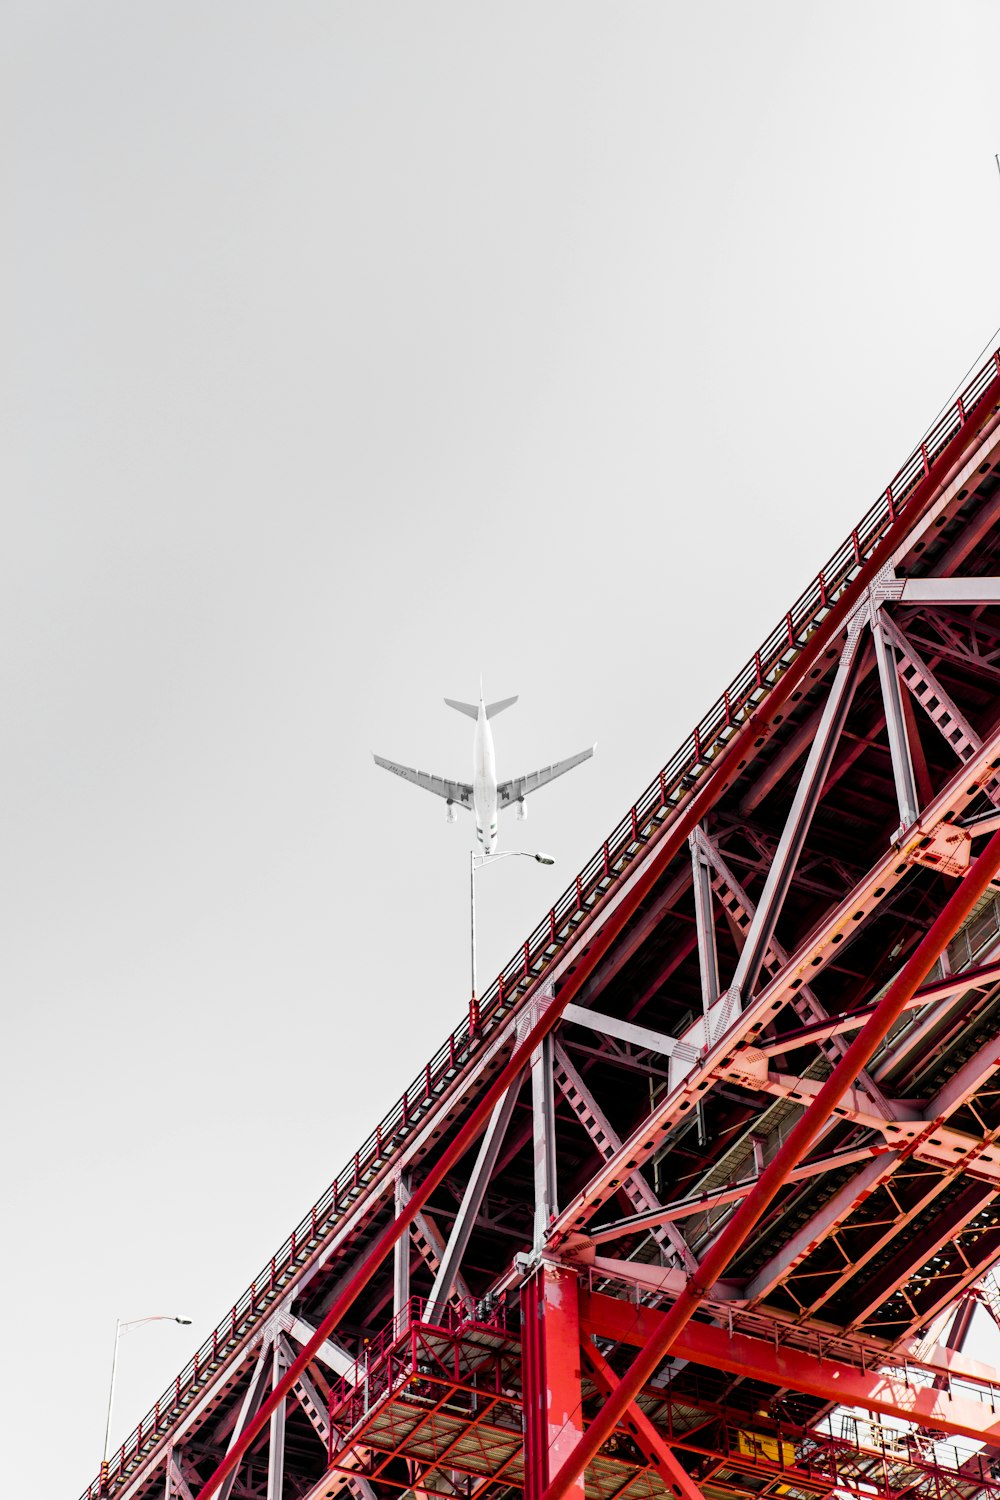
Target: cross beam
(891, 1395)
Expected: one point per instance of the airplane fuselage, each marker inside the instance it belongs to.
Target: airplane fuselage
(484, 796)
(484, 782)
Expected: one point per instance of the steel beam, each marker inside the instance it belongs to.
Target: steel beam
(664, 1281)
(648, 1440)
(330, 1352)
(250, 1408)
(961, 983)
(704, 916)
(974, 529)
(714, 1198)
(928, 691)
(950, 591)
(628, 1031)
(917, 1037)
(543, 1140)
(276, 1446)
(553, 1399)
(793, 836)
(899, 745)
(961, 1323)
(315, 1406)
(472, 1200)
(431, 1245)
(810, 1371)
(177, 1487)
(801, 1137)
(401, 1249)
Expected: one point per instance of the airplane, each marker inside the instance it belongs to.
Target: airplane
(485, 796)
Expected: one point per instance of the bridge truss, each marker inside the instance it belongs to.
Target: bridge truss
(699, 1198)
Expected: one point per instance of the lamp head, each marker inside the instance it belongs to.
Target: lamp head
(544, 859)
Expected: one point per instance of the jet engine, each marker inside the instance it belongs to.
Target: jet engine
(450, 812)
(521, 812)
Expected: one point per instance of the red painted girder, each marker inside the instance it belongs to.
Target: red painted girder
(650, 1442)
(550, 1366)
(713, 1198)
(801, 1137)
(941, 989)
(800, 1370)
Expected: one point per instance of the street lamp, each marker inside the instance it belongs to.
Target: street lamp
(121, 1328)
(476, 862)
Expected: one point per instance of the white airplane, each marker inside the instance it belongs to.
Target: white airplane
(485, 796)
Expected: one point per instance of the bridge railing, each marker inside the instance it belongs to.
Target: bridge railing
(689, 764)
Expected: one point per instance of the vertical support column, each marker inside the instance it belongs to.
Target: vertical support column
(543, 1137)
(708, 956)
(800, 815)
(252, 1401)
(276, 1448)
(708, 952)
(401, 1249)
(550, 1344)
(177, 1487)
(899, 745)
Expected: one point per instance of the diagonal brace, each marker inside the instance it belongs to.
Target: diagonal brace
(804, 803)
(804, 1002)
(472, 1201)
(640, 1428)
(252, 1401)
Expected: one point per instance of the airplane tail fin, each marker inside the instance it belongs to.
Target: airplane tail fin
(492, 709)
(471, 709)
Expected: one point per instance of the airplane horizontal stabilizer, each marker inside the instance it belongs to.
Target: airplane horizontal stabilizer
(463, 708)
(492, 709)
(458, 792)
(521, 786)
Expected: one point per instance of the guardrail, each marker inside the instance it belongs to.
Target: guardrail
(601, 874)
(373, 1372)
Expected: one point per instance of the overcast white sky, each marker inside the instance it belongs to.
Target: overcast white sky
(350, 350)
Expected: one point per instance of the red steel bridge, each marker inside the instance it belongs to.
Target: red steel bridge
(699, 1198)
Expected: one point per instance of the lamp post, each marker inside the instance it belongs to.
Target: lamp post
(121, 1328)
(476, 862)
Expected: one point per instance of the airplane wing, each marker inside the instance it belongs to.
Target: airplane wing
(453, 791)
(521, 786)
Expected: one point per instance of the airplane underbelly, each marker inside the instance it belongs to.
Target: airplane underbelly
(485, 803)
(484, 788)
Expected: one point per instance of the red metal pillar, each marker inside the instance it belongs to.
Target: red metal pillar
(550, 1362)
